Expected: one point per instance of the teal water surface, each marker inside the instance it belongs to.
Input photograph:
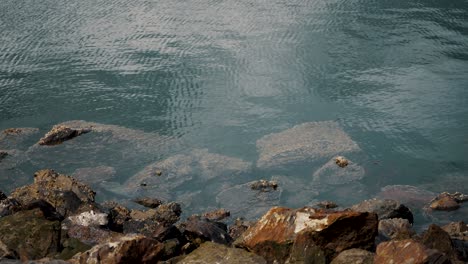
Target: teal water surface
(220, 75)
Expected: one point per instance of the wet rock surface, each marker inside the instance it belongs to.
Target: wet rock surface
(408, 251)
(215, 253)
(385, 209)
(63, 192)
(61, 133)
(202, 229)
(307, 141)
(448, 201)
(13, 138)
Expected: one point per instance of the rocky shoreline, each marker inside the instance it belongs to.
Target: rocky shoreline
(57, 219)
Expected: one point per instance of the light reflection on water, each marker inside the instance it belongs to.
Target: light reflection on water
(222, 74)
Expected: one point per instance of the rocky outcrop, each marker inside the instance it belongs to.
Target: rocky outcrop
(307, 141)
(448, 201)
(308, 233)
(436, 238)
(354, 256)
(63, 192)
(217, 215)
(385, 209)
(408, 251)
(61, 133)
(149, 202)
(127, 249)
(215, 253)
(29, 235)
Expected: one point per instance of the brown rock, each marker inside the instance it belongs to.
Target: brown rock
(436, 238)
(444, 203)
(118, 215)
(127, 249)
(239, 227)
(408, 251)
(91, 235)
(312, 231)
(341, 161)
(61, 133)
(457, 230)
(354, 256)
(205, 230)
(215, 253)
(264, 185)
(63, 192)
(217, 215)
(149, 202)
(29, 235)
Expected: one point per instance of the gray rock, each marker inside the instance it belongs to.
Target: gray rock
(61, 133)
(307, 141)
(215, 253)
(196, 228)
(14, 138)
(354, 256)
(385, 209)
(395, 228)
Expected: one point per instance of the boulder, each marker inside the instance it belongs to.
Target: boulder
(307, 232)
(88, 218)
(239, 227)
(304, 142)
(29, 235)
(264, 185)
(385, 209)
(436, 238)
(127, 249)
(408, 251)
(354, 256)
(448, 201)
(395, 229)
(202, 229)
(61, 133)
(65, 193)
(215, 253)
(90, 235)
(117, 216)
(458, 232)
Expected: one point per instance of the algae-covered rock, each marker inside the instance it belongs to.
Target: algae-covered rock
(307, 141)
(61, 133)
(94, 175)
(29, 235)
(215, 253)
(65, 193)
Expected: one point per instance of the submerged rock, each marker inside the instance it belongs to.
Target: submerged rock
(313, 233)
(241, 200)
(3, 155)
(330, 174)
(402, 251)
(29, 235)
(14, 138)
(65, 193)
(264, 185)
(215, 253)
(94, 175)
(385, 209)
(61, 133)
(307, 141)
(199, 165)
(406, 194)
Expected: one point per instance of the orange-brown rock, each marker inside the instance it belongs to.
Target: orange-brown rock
(444, 203)
(283, 229)
(408, 251)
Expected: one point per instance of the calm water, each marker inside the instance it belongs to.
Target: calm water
(222, 74)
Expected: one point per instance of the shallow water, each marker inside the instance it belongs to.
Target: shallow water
(220, 75)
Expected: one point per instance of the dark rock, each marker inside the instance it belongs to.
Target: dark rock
(326, 205)
(206, 230)
(215, 253)
(2, 196)
(117, 216)
(408, 251)
(47, 209)
(436, 238)
(217, 215)
(29, 235)
(239, 227)
(3, 155)
(354, 256)
(127, 249)
(264, 185)
(169, 213)
(61, 133)
(152, 229)
(149, 202)
(308, 233)
(395, 229)
(385, 209)
(63, 192)
(9, 206)
(71, 247)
